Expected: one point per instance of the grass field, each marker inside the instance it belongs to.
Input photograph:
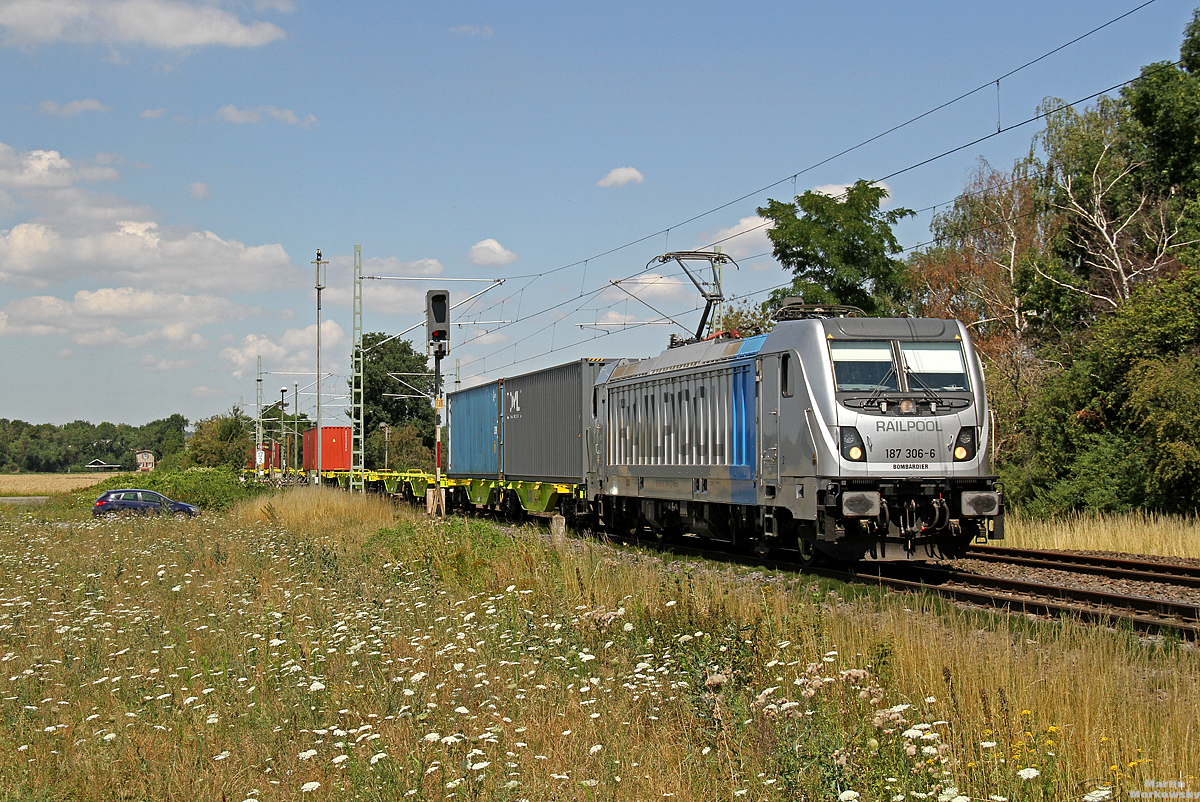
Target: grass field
(316, 646)
(47, 484)
(1131, 533)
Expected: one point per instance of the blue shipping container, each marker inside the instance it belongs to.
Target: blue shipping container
(474, 420)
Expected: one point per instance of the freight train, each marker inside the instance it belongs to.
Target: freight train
(834, 435)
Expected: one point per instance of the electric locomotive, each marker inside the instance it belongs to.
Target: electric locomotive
(833, 435)
(850, 437)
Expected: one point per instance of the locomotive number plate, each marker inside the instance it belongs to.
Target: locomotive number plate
(910, 453)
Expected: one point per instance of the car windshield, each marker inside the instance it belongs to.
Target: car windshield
(937, 367)
(863, 366)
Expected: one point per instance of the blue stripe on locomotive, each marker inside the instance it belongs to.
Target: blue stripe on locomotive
(743, 484)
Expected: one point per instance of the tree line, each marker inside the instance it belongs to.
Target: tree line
(1077, 270)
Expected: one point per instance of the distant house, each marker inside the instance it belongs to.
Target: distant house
(100, 466)
(145, 459)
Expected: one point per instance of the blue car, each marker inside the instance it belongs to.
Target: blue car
(141, 502)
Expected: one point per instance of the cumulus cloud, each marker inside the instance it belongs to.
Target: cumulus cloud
(651, 287)
(746, 237)
(120, 316)
(139, 252)
(164, 24)
(156, 365)
(481, 31)
(36, 169)
(74, 107)
(206, 392)
(482, 337)
(198, 189)
(257, 114)
(78, 233)
(295, 350)
(490, 253)
(619, 177)
(385, 297)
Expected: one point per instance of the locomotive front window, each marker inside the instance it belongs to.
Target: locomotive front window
(863, 366)
(937, 367)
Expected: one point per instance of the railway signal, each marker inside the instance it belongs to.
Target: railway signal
(437, 321)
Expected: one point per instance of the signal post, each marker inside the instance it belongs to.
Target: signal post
(437, 340)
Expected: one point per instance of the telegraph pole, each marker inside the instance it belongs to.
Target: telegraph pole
(320, 285)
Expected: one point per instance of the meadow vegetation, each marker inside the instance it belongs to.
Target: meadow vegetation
(312, 645)
(47, 484)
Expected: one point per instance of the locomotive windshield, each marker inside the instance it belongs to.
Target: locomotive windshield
(870, 366)
(934, 366)
(863, 366)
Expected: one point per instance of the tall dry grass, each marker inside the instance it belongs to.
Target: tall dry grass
(1131, 533)
(307, 646)
(47, 484)
(317, 508)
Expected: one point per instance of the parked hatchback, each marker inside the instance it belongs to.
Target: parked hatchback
(142, 502)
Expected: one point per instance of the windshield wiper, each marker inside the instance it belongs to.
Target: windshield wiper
(879, 388)
(934, 397)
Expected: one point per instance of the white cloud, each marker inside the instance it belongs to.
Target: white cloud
(480, 336)
(198, 189)
(254, 116)
(78, 233)
(206, 392)
(385, 297)
(490, 253)
(106, 317)
(167, 24)
(295, 350)
(45, 169)
(746, 237)
(619, 177)
(482, 31)
(651, 287)
(139, 252)
(153, 114)
(156, 365)
(74, 107)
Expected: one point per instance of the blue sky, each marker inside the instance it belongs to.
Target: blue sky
(168, 169)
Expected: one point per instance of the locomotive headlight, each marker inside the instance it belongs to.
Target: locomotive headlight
(964, 444)
(853, 448)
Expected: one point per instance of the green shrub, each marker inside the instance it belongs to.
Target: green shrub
(211, 489)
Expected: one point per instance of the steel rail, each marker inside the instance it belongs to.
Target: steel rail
(1112, 567)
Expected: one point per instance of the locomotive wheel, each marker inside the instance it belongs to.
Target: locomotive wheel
(808, 550)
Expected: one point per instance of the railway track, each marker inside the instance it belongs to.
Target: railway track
(1136, 612)
(1111, 567)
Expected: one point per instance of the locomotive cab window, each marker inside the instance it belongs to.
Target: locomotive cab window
(860, 366)
(937, 367)
(786, 387)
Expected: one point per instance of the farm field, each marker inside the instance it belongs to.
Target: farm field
(47, 484)
(314, 645)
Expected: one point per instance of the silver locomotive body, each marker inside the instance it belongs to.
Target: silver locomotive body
(857, 438)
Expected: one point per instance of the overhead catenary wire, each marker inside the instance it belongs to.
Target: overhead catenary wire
(943, 154)
(518, 294)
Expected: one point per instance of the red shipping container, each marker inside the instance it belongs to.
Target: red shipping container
(335, 448)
